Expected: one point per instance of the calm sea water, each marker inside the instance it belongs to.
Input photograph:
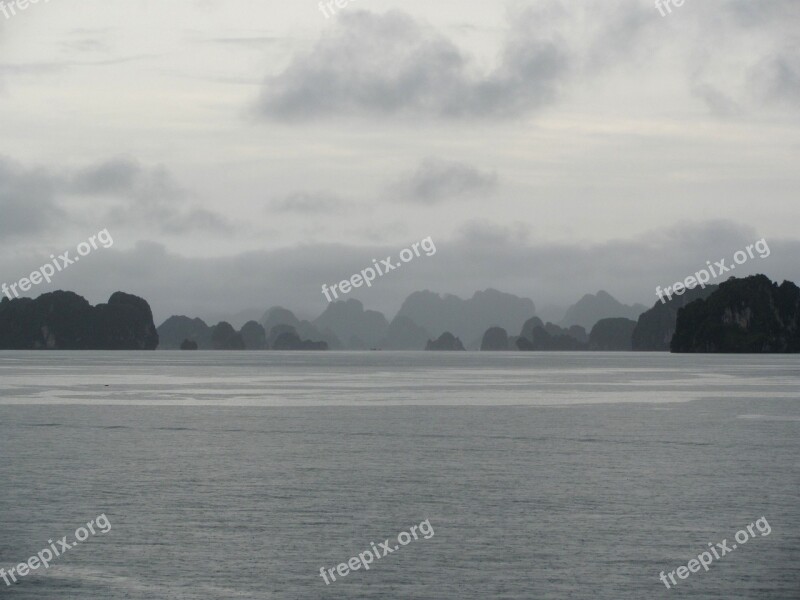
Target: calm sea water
(239, 475)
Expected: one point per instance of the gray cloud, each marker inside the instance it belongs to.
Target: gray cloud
(630, 80)
(436, 180)
(717, 102)
(88, 40)
(481, 256)
(757, 14)
(763, 37)
(35, 200)
(126, 177)
(623, 32)
(27, 200)
(309, 203)
(392, 64)
(188, 220)
(776, 78)
(145, 195)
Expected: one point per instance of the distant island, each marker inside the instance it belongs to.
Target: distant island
(749, 315)
(445, 342)
(179, 332)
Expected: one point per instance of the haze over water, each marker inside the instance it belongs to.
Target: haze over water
(381, 378)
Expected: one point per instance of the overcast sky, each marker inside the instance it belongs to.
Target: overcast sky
(243, 153)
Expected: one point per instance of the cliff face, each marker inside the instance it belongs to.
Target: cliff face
(466, 318)
(254, 336)
(129, 323)
(175, 330)
(404, 334)
(277, 315)
(655, 328)
(593, 307)
(751, 315)
(612, 334)
(536, 336)
(351, 323)
(65, 321)
(225, 337)
(289, 340)
(495, 339)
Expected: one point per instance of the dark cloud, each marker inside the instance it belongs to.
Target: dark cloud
(763, 37)
(481, 256)
(776, 78)
(36, 200)
(392, 64)
(181, 221)
(124, 176)
(436, 180)
(146, 196)
(481, 233)
(27, 201)
(623, 32)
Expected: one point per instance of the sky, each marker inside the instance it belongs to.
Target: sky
(242, 154)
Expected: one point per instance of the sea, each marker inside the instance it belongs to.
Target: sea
(260, 475)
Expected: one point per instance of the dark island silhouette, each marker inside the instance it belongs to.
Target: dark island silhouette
(446, 342)
(194, 334)
(495, 339)
(538, 337)
(602, 305)
(740, 315)
(66, 321)
(750, 315)
(655, 327)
